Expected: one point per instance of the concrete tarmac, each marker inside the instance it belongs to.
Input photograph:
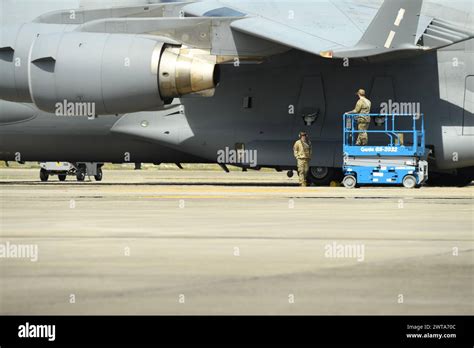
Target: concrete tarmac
(204, 242)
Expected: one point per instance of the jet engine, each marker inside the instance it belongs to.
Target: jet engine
(116, 73)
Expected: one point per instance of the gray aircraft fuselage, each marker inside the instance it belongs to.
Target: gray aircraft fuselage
(263, 106)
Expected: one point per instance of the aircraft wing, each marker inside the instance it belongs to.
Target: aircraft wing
(341, 29)
(259, 28)
(333, 28)
(311, 26)
(290, 37)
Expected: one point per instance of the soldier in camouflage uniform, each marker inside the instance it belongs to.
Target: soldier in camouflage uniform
(303, 151)
(362, 107)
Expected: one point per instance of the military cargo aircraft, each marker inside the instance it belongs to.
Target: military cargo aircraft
(149, 81)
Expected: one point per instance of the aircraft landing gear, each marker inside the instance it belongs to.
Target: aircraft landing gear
(322, 176)
(461, 177)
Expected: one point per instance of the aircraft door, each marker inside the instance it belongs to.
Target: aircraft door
(468, 112)
(311, 107)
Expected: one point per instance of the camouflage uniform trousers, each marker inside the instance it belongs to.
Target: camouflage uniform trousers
(303, 168)
(362, 138)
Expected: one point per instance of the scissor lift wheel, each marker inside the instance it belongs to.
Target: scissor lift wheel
(409, 181)
(349, 181)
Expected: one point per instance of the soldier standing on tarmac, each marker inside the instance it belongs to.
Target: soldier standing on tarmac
(303, 151)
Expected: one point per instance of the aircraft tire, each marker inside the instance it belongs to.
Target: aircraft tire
(321, 176)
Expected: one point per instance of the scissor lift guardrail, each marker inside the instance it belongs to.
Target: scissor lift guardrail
(392, 148)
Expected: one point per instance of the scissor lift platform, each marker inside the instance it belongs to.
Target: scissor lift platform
(397, 162)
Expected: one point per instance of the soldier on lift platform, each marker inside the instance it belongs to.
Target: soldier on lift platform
(362, 107)
(303, 151)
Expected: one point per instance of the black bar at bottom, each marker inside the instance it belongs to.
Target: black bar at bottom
(449, 331)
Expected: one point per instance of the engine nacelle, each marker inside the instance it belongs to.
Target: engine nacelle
(116, 73)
